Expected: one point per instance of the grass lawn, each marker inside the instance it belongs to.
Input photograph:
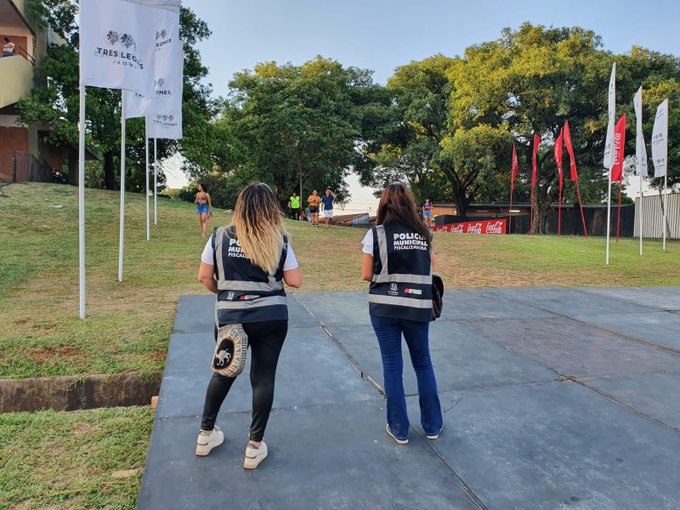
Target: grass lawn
(76, 460)
(129, 323)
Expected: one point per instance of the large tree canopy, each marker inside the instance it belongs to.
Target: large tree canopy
(302, 127)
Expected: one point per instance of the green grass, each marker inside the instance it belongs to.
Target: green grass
(129, 324)
(83, 459)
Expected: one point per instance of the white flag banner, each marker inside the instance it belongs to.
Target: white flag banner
(640, 149)
(168, 71)
(660, 140)
(166, 125)
(117, 45)
(609, 142)
(171, 5)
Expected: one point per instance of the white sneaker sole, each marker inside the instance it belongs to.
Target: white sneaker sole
(436, 436)
(204, 449)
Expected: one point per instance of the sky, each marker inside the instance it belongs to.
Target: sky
(384, 34)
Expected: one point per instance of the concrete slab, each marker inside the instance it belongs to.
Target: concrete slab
(575, 349)
(664, 298)
(475, 304)
(335, 308)
(557, 445)
(568, 301)
(195, 314)
(654, 395)
(514, 436)
(658, 328)
(461, 358)
(334, 456)
(312, 371)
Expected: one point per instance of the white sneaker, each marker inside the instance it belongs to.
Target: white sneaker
(389, 433)
(254, 455)
(205, 443)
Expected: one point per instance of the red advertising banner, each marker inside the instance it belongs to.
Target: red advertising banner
(481, 227)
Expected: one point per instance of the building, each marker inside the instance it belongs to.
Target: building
(24, 155)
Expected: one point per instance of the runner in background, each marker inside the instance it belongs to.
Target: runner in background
(203, 207)
(314, 201)
(327, 200)
(427, 213)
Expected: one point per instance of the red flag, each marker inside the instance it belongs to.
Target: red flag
(515, 164)
(558, 156)
(570, 150)
(534, 173)
(619, 144)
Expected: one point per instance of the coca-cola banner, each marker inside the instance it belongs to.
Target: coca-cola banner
(474, 227)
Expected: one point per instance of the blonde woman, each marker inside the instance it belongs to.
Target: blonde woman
(203, 207)
(246, 265)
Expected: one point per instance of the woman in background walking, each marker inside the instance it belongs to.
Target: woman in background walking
(398, 260)
(246, 265)
(203, 207)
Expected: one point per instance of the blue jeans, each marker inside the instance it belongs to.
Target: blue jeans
(416, 334)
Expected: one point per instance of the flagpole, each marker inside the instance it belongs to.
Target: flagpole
(81, 198)
(640, 216)
(665, 206)
(609, 206)
(155, 180)
(121, 235)
(510, 210)
(531, 217)
(559, 213)
(148, 214)
(618, 214)
(580, 203)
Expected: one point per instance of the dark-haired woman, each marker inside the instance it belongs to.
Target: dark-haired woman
(203, 207)
(397, 260)
(246, 265)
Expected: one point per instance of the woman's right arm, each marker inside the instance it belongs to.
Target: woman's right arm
(293, 278)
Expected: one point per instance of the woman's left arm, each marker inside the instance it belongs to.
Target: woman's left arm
(209, 202)
(206, 275)
(367, 267)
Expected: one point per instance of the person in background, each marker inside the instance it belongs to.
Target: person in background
(327, 200)
(246, 265)
(398, 260)
(294, 205)
(314, 201)
(8, 48)
(427, 213)
(203, 207)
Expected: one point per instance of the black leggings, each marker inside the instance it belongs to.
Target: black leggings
(265, 340)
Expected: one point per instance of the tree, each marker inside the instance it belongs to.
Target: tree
(302, 127)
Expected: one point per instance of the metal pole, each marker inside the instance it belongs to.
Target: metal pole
(665, 206)
(609, 207)
(121, 235)
(640, 216)
(148, 214)
(155, 182)
(81, 198)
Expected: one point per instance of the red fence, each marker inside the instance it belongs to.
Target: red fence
(495, 227)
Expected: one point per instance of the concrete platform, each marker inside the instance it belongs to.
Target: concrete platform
(553, 398)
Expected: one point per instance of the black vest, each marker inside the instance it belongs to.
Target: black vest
(402, 275)
(245, 292)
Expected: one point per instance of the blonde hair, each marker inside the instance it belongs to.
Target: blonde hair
(259, 226)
